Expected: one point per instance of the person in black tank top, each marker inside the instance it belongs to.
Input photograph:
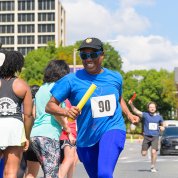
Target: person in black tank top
(10, 104)
(15, 126)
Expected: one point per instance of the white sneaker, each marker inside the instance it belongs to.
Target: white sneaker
(153, 169)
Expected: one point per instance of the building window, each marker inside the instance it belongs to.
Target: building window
(46, 17)
(26, 17)
(46, 4)
(26, 5)
(9, 49)
(6, 28)
(26, 39)
(43, 39)
(25, 50)
(6, 40)
(26, 28)
(46, 28)
(7, 6)
(6, 17)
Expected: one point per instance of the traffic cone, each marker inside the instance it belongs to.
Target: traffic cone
(131, 139)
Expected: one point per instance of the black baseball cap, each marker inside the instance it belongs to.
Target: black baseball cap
(93, 43)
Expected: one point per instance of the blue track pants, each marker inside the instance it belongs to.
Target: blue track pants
(100, 160)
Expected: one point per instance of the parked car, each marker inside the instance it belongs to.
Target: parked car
(169, 141)
(168, 123)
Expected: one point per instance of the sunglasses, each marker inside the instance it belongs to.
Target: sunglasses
(91, 55)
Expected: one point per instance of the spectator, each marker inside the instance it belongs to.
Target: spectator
(14, 129)
(47, 129)
(68, 149)
(29, 165)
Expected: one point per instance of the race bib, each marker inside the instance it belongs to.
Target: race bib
(153, 126)
(102, 106)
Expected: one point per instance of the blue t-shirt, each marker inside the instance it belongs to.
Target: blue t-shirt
(151, 124)
(102, 112)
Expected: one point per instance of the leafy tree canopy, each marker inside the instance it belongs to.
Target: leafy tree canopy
(151, 85)
(35, 62)
(112, 58)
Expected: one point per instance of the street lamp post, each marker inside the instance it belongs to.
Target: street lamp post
(74, 59)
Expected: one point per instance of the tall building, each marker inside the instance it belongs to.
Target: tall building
(29, 24)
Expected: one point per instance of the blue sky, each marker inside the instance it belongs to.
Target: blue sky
(144, 32)
(163, 16)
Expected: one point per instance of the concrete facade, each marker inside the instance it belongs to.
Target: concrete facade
(29, 24)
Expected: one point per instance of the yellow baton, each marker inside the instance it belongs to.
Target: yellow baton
(85, 98)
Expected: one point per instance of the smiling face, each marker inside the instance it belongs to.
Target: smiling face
(92, 65)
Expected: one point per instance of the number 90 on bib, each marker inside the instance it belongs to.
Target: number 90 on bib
(103, 106)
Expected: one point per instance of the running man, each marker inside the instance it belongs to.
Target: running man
(152, 125)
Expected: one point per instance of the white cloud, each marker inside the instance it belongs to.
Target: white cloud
(85, 18)
(127, 21)
(146, 52)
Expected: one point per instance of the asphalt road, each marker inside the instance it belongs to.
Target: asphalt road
(132, 165)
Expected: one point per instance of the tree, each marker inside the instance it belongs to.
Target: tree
(66, 53)
(112, 58)
(157, 86)
(35, 62)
